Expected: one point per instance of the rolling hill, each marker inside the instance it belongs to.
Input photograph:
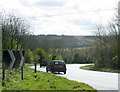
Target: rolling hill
(65, 41)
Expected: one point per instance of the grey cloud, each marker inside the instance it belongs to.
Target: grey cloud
(76, 7)
(25, 3)
(49, 3)
(33, 18)
(88, 24)
(82, 22)
(42, 3)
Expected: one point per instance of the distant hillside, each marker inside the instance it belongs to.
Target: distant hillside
(0, 52)
(0, 45)
(65, 41)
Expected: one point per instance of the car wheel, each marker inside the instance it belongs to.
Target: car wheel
(52, 71)
(46, 70)
(65, 72)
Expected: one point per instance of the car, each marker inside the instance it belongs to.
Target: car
(43, 62)
(56, 66)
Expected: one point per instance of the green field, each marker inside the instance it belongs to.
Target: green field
(42, 81)
(91, 67)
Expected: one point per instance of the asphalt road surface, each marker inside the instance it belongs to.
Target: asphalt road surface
(98, 80)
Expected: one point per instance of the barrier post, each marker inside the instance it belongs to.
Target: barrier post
(35, 67)
(22, 72)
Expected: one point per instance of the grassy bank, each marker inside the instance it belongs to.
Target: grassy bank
(41, 81)
(0, 62)
(91, 67)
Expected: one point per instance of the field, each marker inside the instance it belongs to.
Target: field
(42, 81)
(65, 40)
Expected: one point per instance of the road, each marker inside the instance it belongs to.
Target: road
(98, 80)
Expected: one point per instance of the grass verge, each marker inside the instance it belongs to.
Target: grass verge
(91, 67)
(42, 81)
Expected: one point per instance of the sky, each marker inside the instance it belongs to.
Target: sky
(62, 17)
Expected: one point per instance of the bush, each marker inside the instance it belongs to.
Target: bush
(29, 56)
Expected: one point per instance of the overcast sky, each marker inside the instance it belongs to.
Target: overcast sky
(68, 17)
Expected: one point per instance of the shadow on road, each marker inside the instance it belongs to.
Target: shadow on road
(42, 67)
(58, 73)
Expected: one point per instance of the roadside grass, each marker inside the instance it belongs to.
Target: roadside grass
(91, 67)
(0, 64)
(42, 81)
(0, 80)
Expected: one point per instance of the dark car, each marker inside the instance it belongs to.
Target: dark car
(56, 66)
(43, 62)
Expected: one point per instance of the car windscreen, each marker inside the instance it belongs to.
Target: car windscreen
(58, 62)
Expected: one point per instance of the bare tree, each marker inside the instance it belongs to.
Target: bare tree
(15, 28)
(106, 52)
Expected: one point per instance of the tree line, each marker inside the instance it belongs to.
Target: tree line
(69, 55)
